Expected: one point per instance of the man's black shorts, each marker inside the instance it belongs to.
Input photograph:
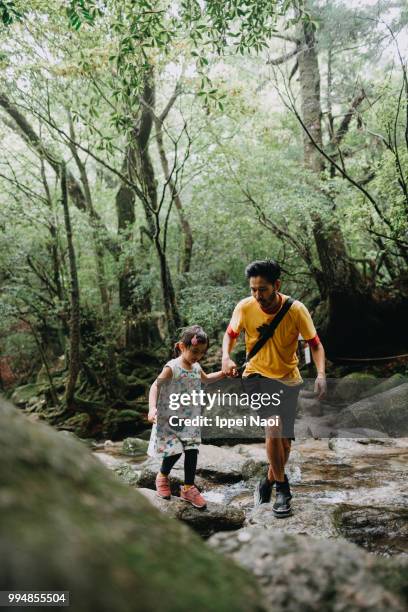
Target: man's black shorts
(283, 402)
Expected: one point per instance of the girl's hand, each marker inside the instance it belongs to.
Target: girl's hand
(152, 416)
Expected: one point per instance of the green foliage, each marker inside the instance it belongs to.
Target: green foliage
(9, 12)
(236, 151)
(209, 305)
(80, 10)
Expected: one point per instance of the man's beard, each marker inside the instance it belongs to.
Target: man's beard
(270, 302)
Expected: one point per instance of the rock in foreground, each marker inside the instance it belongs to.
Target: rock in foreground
(67, 523)
(302, 573)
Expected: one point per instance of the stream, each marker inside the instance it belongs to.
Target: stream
(351, 488)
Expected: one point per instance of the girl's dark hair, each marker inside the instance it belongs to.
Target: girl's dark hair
(186, 336)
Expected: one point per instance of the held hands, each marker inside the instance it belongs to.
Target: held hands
(320, 386)
(229, 367)
(152, 416)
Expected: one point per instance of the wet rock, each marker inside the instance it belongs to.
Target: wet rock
(349, 443)
(134, 447)
(352, 445)
(216, 517)
(66, 521)
(387, 412)
(303, 573)
(310, 517)
(219, 464)
(383, 530)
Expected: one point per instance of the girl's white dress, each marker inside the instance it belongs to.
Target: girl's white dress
(165, 440)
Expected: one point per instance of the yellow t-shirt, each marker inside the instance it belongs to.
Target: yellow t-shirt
(277, 358)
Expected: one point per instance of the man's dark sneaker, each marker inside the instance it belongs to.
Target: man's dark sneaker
(263, 491)
(282, 507)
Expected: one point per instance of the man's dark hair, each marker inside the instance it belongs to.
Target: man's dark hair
(268, 268)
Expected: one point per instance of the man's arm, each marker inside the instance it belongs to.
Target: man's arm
(318, 356)
(229, 366)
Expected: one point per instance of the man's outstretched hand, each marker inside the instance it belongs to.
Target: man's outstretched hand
(320, 387)
(229, 367)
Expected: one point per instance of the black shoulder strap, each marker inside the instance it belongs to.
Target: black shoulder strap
(267, 331)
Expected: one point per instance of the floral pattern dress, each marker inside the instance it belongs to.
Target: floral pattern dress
(164, 439)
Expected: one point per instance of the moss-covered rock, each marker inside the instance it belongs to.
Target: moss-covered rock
(67, 523)
(127, 474)
(386, 385)
(134, 447)
(353, 386)
(22, 395)
(78, 424)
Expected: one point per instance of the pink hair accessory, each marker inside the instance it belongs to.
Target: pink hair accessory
(194, 340)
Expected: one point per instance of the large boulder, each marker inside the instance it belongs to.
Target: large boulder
(216, 517)
(68, 523)
(353, 386)
(385, 385)
(386, 412)
(302, 573)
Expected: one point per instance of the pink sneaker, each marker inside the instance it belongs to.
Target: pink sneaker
(193, 496)
(163, 486)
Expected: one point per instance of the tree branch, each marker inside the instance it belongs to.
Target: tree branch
(345, 123)
(283, 58)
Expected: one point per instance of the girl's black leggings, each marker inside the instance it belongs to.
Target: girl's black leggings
(190, 465)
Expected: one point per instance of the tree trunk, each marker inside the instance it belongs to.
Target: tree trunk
(140, 328)
(97, 245)
(184, 224)
(344, 285)
(169, 299)
(74, 325)
(144, 173)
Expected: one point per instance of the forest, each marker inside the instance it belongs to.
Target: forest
(151, 150)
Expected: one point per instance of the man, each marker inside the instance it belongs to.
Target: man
(276, 360)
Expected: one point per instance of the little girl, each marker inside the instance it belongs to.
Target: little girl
(182, 374)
